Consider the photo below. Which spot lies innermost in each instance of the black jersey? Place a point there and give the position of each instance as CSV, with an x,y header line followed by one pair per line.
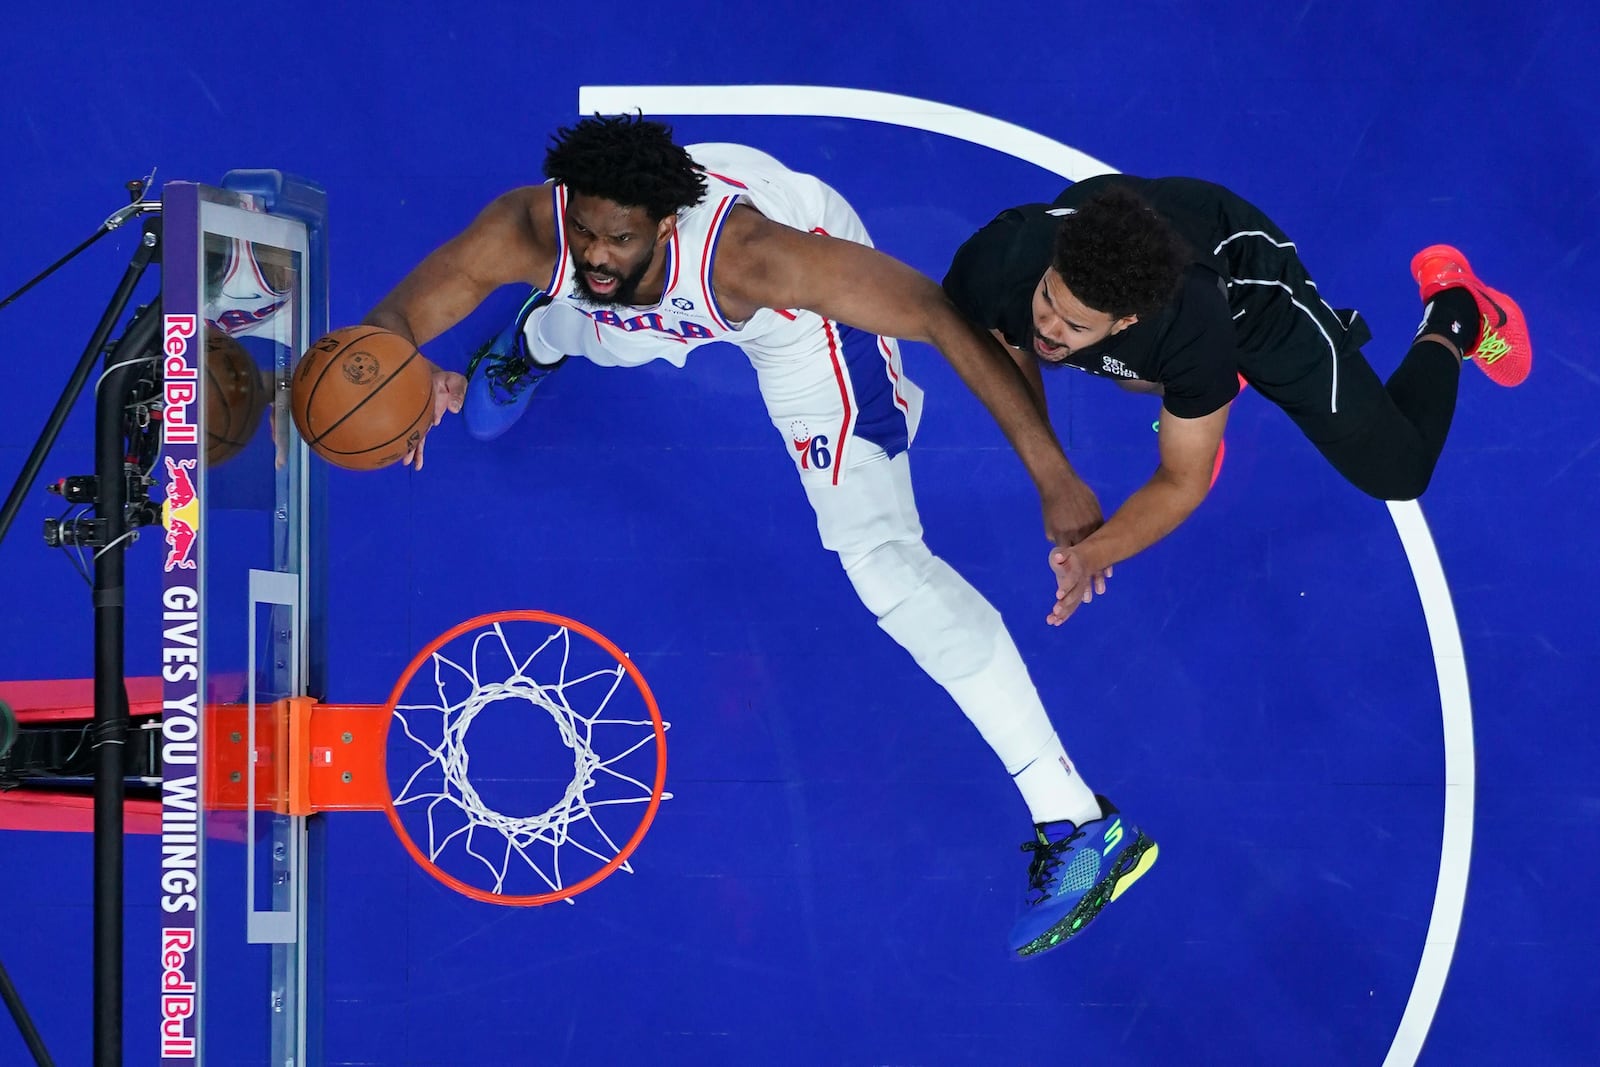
x,y
1243,284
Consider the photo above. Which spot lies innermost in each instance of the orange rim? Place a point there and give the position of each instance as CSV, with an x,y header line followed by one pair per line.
x,y
656,789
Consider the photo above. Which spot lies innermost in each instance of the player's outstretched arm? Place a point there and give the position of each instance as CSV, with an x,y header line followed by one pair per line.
x,y
1028,364
1180,483
500,247
761,263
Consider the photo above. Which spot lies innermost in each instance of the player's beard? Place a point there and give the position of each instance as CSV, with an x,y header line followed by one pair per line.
x,y
627,287
1048,364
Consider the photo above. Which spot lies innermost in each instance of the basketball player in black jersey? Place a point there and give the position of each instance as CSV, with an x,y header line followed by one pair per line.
x,y
1179,287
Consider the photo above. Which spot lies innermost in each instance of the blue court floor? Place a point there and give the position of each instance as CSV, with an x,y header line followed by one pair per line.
x,y
1290,693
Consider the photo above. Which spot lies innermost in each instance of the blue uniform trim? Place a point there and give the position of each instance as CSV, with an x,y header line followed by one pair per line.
x,y
879,418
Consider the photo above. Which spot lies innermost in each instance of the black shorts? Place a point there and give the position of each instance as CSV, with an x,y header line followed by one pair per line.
x,y
1305,356
1294,347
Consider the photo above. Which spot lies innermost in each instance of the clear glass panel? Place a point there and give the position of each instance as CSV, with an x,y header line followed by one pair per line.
x,y
253,303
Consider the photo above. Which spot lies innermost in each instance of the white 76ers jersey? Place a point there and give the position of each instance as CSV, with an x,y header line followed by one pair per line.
x,y
821,380
687,314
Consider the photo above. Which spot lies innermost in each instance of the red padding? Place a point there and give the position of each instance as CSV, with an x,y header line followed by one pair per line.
x,y
33,809
66,699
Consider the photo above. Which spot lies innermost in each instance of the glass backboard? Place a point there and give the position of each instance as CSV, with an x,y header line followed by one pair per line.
x,y
238,306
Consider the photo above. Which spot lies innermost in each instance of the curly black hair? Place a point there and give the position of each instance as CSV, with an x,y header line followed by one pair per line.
x,y
1118,256
628,160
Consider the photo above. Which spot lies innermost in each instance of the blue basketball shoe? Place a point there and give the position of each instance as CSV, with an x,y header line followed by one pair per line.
x,y
1076,871
502,377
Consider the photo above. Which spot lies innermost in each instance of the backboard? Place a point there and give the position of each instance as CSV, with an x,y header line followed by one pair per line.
x,y
240,299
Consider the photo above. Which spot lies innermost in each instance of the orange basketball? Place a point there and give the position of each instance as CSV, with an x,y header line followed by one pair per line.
x,y
362,397
235,397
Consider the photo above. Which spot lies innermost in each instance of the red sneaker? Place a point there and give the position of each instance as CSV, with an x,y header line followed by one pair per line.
x,y
1503,351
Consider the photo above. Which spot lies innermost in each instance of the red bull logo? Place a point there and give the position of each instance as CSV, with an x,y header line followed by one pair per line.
x,y
180,514
178,994
180,381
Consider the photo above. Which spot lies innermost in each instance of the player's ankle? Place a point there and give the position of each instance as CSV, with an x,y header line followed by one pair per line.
x,y
1451,315
1440,339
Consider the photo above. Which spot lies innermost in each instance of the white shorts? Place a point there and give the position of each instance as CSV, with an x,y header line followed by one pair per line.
x,y
838,395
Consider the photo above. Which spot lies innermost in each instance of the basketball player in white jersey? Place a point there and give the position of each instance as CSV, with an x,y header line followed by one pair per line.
x,y
637,249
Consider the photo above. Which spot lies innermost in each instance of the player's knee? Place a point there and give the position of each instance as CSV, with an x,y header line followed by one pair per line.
x,y
1401,481
929,609
946,625
888,574
1408,491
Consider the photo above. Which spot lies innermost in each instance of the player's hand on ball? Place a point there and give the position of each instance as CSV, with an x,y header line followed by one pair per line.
x,y
449,393
1075,583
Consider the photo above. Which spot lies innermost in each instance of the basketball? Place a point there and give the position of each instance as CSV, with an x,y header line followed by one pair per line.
x,y
362,397
235,397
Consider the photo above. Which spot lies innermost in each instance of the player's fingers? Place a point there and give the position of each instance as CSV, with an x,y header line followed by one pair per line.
x,y
1066,568
1072,585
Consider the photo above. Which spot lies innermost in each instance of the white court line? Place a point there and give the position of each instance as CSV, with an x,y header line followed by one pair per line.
x,y
1444,634
1460,783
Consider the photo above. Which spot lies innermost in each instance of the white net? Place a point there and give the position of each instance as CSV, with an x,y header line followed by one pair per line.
x,y
600,717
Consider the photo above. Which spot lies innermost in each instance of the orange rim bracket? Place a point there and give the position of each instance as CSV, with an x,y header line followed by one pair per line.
x,y
309,757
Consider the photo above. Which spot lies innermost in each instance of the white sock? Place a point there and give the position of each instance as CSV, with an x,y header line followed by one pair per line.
x,y
1054,790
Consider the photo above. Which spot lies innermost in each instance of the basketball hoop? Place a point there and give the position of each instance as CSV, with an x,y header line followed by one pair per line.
x,y
411,758
576,691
